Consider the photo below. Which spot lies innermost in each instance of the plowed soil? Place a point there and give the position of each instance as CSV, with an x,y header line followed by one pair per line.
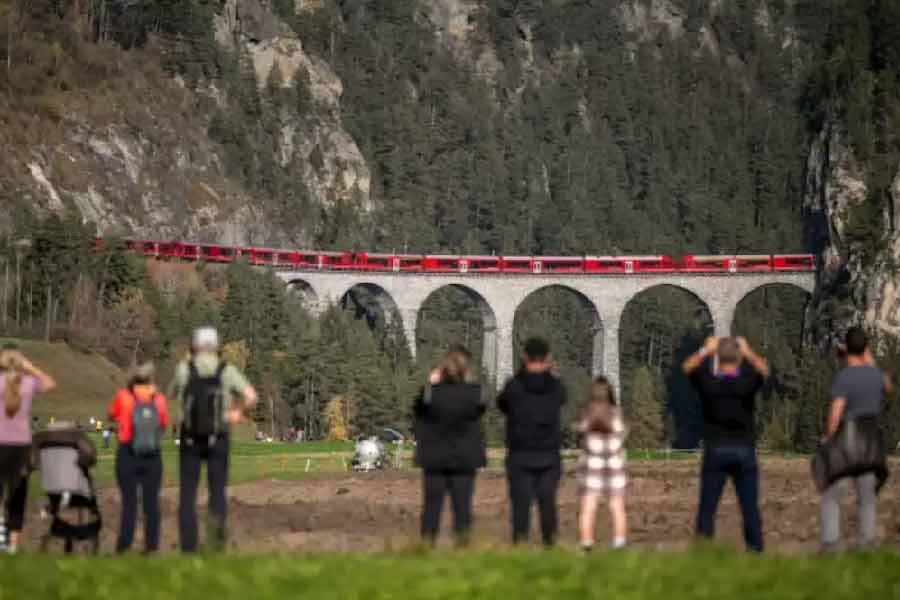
x,y
380,511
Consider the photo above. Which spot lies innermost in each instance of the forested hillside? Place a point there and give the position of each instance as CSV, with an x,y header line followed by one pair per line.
x,y
478,126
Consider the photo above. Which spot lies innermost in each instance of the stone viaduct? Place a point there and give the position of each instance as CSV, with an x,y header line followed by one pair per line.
x,y
498,295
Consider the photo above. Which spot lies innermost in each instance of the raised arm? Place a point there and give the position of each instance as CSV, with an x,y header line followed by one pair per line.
x,y
759,364
45,381
886,380
693,362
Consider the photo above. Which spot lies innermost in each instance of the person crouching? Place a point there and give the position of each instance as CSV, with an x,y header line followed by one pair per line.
x,y
450,446
141,414
601,467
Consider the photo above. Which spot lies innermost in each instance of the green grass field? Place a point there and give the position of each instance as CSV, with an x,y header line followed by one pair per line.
x,y
250,461
703,574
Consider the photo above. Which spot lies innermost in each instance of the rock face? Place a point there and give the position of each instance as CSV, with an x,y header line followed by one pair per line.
x,y
850,290
151,169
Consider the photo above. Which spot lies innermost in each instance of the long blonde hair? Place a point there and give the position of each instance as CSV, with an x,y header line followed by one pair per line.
x,y
12,397
600,410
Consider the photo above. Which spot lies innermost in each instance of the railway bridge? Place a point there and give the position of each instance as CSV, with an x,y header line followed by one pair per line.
x,y
498,296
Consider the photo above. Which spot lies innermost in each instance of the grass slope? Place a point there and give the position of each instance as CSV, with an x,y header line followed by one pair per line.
x,y
626,575
87,381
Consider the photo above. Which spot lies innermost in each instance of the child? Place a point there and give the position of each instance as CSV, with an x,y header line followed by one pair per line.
x,y
601,468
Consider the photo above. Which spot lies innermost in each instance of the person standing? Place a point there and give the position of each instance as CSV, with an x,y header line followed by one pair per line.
x,y
451,448
728,396
532,402
213,395
852,447
20,381
141,415
601,467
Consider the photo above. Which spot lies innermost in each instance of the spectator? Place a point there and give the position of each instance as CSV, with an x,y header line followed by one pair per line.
x,y
532,402
141,414
214,396
852,448
728,396
20,381
601,468
448,422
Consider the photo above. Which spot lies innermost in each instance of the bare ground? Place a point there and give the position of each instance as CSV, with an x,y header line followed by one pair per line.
x,y
380,511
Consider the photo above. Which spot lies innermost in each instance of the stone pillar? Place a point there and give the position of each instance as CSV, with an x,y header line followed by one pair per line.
x,y
410,319
722,314
598,357
489,357
611,355
611,318
505,352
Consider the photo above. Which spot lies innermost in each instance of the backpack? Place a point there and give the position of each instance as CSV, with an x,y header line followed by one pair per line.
x,y
203,403
145,427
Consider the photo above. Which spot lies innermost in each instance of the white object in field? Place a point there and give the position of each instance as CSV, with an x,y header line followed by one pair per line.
x,y
369,455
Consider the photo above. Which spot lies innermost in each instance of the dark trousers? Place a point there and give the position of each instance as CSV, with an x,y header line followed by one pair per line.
x,y
738,463
14,483
193,453
527,484
144,474
460,485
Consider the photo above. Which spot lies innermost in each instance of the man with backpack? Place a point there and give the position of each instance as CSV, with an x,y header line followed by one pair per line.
x,y
213,395
532,402
141,414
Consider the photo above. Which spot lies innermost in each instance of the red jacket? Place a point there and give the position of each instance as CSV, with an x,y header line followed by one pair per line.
x,y
123,405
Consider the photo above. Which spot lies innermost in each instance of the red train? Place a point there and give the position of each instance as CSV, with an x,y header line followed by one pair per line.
x,y
441,263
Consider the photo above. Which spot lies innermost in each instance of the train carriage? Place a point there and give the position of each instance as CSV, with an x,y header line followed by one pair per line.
x,y
217,254
443,263
793,262
516,264
558,264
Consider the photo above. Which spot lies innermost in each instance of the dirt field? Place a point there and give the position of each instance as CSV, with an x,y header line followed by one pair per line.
x,y
376,512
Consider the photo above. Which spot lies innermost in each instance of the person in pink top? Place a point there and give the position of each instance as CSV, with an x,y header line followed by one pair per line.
x,y
20,380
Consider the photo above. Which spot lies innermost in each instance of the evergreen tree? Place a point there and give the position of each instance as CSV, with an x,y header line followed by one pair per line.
x,y
645,412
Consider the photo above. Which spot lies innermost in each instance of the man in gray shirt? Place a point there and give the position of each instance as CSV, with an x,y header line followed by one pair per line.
x,y
857,393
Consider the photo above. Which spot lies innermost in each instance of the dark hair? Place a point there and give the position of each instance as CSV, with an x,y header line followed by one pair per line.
x,y
536,349
728,350
597,415
455,365
856,341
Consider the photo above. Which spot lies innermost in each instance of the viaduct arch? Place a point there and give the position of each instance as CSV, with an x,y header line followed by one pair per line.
x,y
500,295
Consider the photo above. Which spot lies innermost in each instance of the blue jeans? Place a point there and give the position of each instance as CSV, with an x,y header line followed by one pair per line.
x,y
738,462
144,474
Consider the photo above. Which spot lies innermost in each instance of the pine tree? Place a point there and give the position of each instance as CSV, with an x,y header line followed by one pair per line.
x,y
645,411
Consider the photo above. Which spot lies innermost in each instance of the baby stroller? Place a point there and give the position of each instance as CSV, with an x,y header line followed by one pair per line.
x,y
64,456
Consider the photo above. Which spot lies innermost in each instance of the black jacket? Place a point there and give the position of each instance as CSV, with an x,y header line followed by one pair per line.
x,y
855,449
448,427
532,403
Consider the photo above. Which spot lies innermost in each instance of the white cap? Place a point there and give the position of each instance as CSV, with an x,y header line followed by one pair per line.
x,y
205,338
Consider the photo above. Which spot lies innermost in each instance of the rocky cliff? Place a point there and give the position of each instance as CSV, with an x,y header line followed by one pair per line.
x,y
137,156
855,286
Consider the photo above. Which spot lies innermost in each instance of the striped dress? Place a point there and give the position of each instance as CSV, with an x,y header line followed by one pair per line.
x,y
601,467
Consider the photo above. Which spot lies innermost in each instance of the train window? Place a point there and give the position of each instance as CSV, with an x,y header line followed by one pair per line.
x,y
517,264
483,264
